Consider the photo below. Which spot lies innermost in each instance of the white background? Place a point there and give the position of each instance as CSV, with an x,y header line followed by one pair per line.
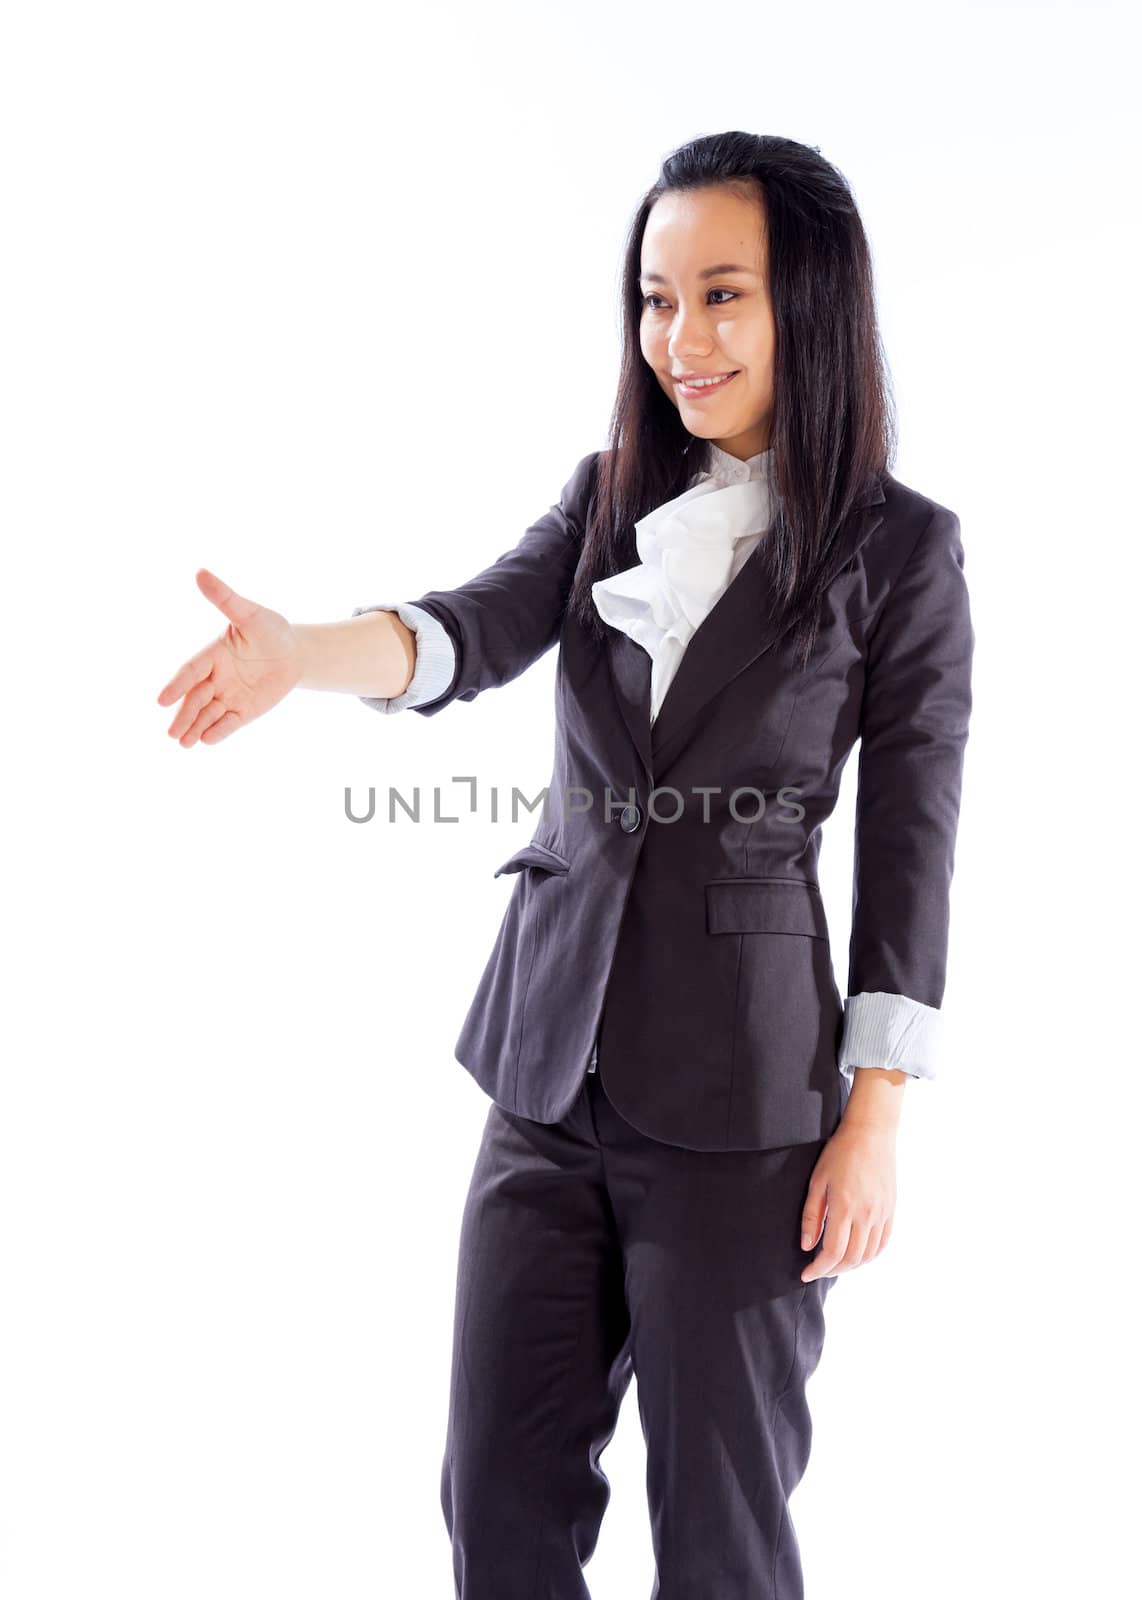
x,y
325,298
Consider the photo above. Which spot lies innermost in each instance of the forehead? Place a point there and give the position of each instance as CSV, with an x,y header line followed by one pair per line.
x,y
687,234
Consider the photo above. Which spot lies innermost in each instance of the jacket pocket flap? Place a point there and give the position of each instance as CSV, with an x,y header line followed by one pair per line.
x,y
534,855
765,905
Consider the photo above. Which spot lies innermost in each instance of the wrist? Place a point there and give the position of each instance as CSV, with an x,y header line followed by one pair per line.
x,y
303,646
876,1098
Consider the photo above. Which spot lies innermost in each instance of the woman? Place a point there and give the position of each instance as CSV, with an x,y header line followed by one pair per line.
x,y
683,1110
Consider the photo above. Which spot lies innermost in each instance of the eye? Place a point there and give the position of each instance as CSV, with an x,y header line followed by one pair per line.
x,y
647,298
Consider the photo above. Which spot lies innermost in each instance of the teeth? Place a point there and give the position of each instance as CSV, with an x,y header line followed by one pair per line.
x,y
705,383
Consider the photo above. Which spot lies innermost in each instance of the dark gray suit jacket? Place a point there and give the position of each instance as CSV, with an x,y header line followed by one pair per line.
x,y
668,902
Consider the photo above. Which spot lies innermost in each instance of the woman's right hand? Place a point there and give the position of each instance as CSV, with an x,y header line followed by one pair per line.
x,y
252,665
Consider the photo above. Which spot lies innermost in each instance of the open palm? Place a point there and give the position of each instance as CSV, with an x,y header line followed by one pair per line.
x,y
239,676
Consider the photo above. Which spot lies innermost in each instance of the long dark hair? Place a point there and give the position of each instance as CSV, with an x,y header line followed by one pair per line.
x,y
834,428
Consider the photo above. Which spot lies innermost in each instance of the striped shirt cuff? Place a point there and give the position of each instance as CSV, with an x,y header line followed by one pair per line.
x,y
435,659
890,1031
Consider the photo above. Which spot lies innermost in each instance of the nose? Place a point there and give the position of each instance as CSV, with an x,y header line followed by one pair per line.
x,y
688,337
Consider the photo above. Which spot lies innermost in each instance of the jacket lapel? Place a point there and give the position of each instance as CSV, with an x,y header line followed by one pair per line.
x,y
732,635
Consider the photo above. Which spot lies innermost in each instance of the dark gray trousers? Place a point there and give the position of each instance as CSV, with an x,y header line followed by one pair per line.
x,y
590,1253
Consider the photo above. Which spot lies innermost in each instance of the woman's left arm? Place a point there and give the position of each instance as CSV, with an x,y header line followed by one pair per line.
x,y
914,727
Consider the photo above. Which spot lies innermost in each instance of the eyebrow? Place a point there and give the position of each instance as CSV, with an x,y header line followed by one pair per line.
x,y
708,272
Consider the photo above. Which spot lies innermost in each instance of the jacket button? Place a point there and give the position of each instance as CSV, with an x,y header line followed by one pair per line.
x,y
629,818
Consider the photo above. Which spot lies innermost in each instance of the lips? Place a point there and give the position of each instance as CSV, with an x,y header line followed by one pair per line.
x,y
690,392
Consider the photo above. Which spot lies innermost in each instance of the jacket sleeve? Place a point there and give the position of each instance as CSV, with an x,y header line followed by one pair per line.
x,y
508,615
914,727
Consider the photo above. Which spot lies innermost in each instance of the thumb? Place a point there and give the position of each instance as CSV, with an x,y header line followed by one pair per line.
x,y
234,606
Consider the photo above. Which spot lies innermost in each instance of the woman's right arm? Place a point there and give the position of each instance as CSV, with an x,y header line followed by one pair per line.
x,y
447,645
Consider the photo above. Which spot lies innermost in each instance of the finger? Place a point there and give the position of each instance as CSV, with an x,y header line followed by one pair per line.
x,y
232,605
857,1251
811,1221
208,734
188,676
810,1228
205,719
198,697
824,1264
872,1247
223,728
813,1215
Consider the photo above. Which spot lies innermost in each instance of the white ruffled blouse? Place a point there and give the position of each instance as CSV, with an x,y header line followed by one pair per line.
x,y
690,550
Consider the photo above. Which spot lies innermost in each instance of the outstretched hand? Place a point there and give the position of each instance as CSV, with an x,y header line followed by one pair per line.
x,y
243,673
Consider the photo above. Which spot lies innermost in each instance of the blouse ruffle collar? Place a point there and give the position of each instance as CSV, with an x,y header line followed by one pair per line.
x,y
690,550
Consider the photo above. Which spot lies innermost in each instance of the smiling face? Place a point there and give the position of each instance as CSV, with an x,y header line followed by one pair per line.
x,y
706,311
